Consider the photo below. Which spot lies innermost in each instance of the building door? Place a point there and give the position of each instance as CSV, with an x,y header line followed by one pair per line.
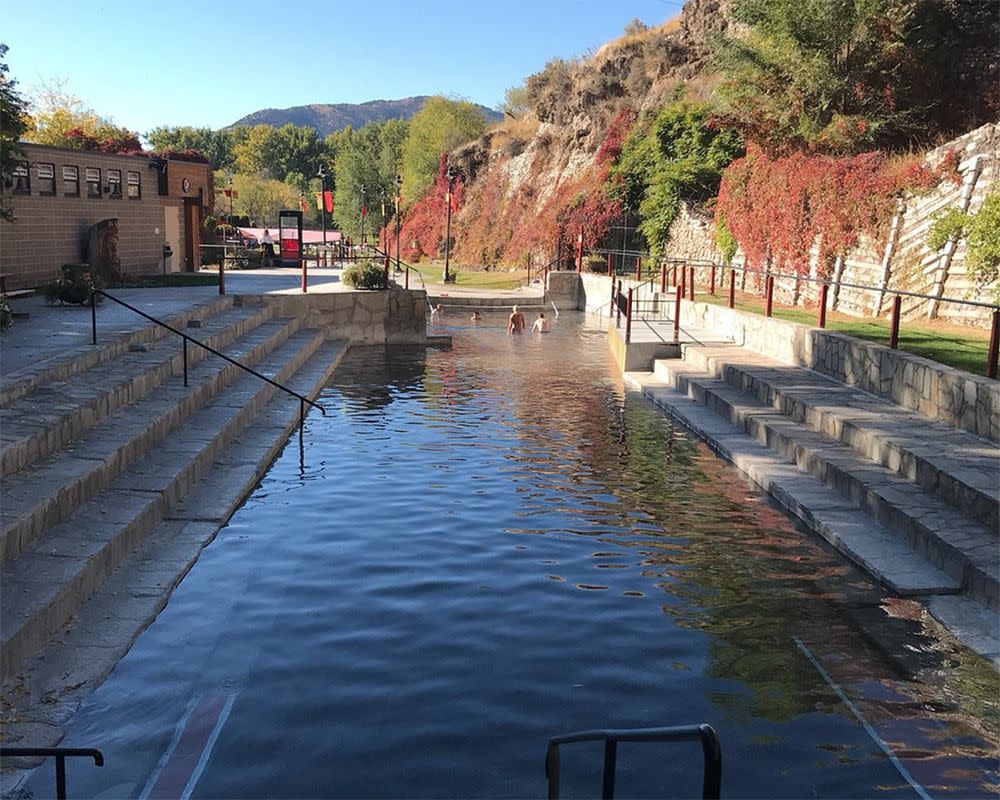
x,y
192,221
172,229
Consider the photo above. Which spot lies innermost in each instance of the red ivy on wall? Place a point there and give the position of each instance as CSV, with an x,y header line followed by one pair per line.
x,y
777,206
423,229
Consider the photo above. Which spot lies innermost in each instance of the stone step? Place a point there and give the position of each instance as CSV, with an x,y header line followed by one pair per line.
x,y
883,554
50,416
41,496
958,467
46,584
965,550
111,345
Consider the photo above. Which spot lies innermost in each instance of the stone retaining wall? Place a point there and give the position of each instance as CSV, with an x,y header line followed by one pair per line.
x,y
396,316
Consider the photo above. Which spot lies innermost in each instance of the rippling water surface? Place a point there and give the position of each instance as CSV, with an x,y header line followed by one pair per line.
x,y
489,545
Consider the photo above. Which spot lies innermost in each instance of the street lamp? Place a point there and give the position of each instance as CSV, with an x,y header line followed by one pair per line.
x,y
450,175
321,174
363,212
399,188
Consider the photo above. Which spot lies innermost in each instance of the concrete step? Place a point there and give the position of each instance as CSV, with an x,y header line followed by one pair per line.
x,y
962,548
956,466
41,496
50,416
45,585
886,556
111,345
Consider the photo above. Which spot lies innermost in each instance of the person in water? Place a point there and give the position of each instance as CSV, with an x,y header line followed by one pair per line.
x,y
476,317
437,311
516,322
541,324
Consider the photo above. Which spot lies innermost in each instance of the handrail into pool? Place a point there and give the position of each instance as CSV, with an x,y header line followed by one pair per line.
x,y
303,400
711,786
60,754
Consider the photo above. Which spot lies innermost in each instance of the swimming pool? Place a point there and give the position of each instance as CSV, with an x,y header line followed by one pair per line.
x,y
489,545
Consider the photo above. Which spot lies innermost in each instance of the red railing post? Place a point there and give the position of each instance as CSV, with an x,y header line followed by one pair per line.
x,y
823,290
991,360
611,307
663,278
618,304
610,268
305,279
897,303
677,313
732,288
406,278
673,276
691,286
638,268
628,317
684,281
579,251
385,270
711,285
222,275
769,289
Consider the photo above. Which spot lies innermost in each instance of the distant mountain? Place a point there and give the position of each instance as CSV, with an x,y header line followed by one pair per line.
x,y
329,117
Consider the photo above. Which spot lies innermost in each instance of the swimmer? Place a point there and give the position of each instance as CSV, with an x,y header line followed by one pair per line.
x,y
541,324
516,322
437,311
476,317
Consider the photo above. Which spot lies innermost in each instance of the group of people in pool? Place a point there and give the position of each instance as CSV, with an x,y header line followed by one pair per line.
x,y
515,323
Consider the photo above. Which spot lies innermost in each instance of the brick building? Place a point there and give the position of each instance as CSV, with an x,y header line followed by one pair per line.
x,y
58,194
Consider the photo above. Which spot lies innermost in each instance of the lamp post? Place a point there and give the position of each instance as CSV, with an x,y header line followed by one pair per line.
x,y
321,174
399,188
450,175
363,212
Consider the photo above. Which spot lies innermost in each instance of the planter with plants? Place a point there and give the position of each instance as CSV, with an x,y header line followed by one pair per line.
x,y
73,287
368,273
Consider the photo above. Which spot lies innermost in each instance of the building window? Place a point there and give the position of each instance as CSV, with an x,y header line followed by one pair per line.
x,y
134,186
93,183
71,181
22,180
46,178
115,184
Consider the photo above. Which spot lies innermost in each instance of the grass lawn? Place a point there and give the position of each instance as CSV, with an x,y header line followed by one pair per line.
x,y
959,347
433,272
170,279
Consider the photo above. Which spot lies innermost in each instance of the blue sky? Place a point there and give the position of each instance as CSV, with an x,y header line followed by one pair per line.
x,y
210,63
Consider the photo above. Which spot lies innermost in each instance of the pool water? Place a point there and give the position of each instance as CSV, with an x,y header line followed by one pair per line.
x,y
489,545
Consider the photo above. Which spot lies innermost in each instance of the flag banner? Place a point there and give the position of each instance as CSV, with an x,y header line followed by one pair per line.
x,y
227,192
328,201
319,201
364,211
303,204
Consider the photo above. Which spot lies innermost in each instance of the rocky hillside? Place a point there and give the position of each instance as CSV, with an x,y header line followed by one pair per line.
x,y
329,117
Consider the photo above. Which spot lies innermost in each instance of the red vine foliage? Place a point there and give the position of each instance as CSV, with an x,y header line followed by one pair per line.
x,y
123,142
777,206
614,137
423,229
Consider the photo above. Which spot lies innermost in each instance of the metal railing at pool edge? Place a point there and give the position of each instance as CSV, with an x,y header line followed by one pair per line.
x,y
407,269
685,289
711,786
303,400
60,754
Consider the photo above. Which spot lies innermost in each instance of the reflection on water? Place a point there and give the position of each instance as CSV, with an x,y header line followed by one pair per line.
x,y
488,546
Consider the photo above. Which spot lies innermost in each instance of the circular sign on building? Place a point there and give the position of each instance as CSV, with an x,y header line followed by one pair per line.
x,y
185,186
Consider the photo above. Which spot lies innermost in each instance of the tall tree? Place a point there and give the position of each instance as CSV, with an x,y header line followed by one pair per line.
x,y
275,152
61,119
439,126
217,146
12,126
838,76
368,157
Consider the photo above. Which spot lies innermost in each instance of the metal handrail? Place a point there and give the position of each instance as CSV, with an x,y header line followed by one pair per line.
x,y
303,400
828,282
61,754
711,786
403,264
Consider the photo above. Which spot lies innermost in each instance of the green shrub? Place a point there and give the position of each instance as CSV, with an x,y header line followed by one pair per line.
x,y
947,224
365,274
982,240
74,286
595,264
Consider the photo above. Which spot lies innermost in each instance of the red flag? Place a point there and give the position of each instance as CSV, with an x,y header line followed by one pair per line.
x,y
328,201
364,211
303,204
227,192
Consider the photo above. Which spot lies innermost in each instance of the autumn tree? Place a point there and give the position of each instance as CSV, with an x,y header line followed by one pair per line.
x,y
12,126
368,157
270,152
217,146
58,118
438,127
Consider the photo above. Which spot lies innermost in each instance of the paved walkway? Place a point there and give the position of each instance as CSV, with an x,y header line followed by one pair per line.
x,y
51,330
